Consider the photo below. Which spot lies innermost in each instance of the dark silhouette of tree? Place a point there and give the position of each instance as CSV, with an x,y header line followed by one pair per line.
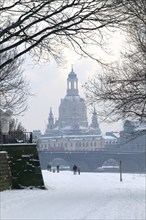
x,y
16,126
121,91
16,131
46,27
13,86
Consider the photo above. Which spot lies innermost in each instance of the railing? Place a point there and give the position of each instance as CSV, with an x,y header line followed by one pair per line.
x,y
16,137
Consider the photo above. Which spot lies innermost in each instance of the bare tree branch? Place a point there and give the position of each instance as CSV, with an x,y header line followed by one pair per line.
x,y
13,87
121,91
26,25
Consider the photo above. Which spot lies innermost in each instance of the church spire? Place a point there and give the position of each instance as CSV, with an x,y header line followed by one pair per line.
x,y
50,120
72,83
94,123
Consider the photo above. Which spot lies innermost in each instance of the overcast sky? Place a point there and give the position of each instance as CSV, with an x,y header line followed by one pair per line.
x,y
48,83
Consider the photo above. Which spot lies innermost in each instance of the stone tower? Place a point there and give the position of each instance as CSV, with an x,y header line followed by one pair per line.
x,y
50,120
94,124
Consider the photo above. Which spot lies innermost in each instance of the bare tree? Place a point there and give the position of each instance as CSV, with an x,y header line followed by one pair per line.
x,y
16,131
121,91
14,88
16,126
45,27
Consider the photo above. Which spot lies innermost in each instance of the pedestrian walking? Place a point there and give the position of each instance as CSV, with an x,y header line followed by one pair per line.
x,y
75,169
57,168
79,170
49,167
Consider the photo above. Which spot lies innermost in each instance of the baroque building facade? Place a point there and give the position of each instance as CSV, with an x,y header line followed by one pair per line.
x,y
72,113
71,130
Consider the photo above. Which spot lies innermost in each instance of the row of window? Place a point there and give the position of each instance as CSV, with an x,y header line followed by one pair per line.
x,y
77,144
111,142
45,147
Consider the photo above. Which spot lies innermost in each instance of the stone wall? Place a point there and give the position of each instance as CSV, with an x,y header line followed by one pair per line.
x,y
24,164
5,173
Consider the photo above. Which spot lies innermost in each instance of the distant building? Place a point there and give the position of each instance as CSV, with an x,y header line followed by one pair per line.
x,y
131,139
71,130
111,140
133,136
72,113
36,133
71,143
113,134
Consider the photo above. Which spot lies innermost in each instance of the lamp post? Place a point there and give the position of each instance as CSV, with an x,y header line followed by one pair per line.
x,y
120,171
5,117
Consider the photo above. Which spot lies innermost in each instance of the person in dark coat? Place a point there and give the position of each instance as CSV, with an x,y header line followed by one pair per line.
x,y
57,168
75,169
49,167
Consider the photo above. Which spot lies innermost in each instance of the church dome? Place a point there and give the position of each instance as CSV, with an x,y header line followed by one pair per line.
x,y
72,74
73,112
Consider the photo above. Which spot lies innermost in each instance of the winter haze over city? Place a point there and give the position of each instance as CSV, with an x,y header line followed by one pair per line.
x,y
73,110
48,83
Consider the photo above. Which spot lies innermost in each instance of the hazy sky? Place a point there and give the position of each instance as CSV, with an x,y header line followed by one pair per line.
x,y
48,83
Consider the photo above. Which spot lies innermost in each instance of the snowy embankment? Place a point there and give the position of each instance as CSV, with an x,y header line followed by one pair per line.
x,y
89,196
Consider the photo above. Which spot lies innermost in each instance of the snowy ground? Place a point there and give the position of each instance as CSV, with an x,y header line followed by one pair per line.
x,y
89,196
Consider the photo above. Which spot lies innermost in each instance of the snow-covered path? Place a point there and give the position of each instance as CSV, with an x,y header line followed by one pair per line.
x,y
86,196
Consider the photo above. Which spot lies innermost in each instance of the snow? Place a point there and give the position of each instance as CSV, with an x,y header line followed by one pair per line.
x,y
3,152
88,196
107,137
